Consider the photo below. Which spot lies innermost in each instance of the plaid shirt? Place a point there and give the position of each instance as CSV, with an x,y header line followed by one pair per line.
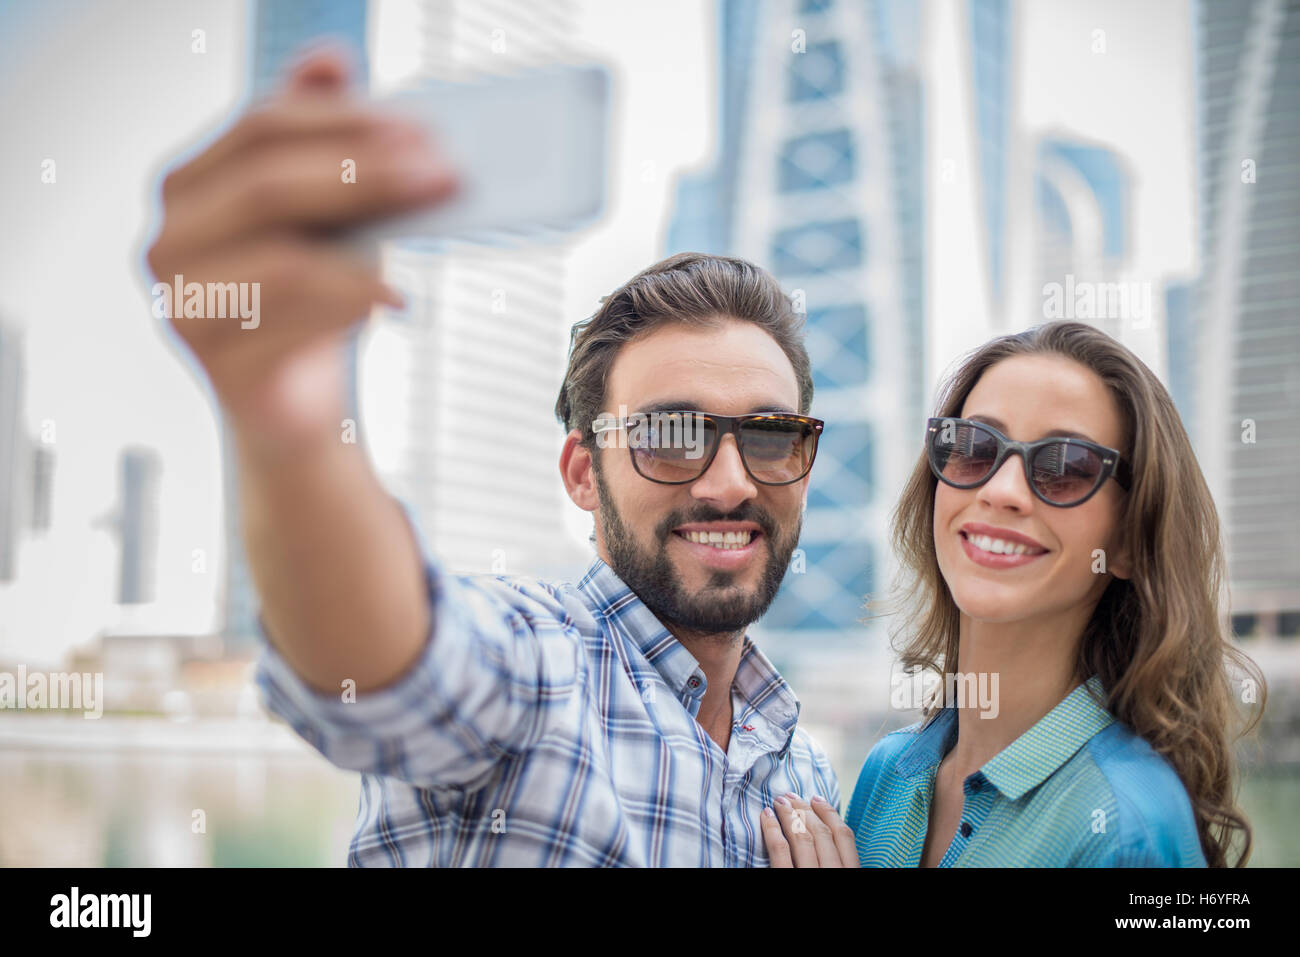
x,y
554,725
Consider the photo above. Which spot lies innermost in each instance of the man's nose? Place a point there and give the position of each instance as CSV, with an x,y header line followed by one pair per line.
x,y
725,482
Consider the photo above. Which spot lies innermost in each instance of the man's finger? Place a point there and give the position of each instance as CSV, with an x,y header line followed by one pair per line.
x,y
295,187
284,121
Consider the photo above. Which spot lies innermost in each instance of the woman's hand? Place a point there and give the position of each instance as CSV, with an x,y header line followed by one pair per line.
x,y
800,834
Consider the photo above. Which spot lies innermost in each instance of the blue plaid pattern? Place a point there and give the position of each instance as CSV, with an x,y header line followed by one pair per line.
x,y
1078,789
554,725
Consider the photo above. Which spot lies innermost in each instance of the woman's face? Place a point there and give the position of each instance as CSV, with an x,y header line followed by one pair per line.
x,y
1028,398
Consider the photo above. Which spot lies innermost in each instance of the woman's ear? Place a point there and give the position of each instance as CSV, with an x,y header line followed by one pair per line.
x,y
1118,564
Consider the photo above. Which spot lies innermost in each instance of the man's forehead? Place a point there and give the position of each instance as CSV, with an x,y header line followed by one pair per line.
x,y
687,373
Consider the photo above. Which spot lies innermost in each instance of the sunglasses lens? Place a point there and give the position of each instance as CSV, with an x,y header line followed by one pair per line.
x,y
778,451
672,446
962,454
1064,472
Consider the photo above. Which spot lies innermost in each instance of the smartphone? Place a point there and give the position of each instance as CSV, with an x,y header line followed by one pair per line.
x,y
530,149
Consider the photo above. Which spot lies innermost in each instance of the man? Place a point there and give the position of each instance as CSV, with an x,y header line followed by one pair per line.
x,y
623,720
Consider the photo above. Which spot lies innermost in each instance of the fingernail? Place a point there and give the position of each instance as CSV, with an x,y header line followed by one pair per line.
x,y
817,799
783,801
768,812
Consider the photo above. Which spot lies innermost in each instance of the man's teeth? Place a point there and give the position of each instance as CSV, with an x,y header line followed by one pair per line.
x,y
997,546
727,540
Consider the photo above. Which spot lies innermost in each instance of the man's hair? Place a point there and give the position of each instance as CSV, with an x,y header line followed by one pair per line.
x,y
692,288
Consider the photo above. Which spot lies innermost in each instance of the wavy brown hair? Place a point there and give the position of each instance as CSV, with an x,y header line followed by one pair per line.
x,y
1160,640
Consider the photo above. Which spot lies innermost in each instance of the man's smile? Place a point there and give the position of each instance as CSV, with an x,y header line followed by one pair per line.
x,y
722,545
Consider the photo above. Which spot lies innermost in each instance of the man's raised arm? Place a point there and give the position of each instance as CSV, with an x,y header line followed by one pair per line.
x,y
333,557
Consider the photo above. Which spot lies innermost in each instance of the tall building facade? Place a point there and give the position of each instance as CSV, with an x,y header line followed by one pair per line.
x,y
14,450
458,393
817,178
137,525
1248,299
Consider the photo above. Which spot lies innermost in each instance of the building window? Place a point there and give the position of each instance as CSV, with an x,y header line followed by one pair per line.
x,y
817,73
837,344
818,247
847,567
1288,622
841,476
816,160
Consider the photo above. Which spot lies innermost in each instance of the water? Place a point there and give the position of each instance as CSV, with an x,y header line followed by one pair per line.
x,y
265,799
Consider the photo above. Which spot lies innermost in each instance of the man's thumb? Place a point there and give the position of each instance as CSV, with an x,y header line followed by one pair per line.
x,y
325,68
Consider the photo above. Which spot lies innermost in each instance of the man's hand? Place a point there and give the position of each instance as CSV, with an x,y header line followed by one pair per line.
x,y
257,207
800,834
336,567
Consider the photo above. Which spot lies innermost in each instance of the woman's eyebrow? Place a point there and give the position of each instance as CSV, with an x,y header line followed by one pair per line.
x,y
1064,433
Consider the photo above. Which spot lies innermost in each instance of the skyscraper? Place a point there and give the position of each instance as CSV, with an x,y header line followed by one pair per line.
x,y
1248,335
458,395
14,450
821,139
137,525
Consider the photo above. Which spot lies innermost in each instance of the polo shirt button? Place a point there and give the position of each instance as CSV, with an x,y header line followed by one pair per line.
x,y
966,828
976,785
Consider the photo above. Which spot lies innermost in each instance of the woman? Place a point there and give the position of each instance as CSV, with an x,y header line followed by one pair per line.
x,y
1068,592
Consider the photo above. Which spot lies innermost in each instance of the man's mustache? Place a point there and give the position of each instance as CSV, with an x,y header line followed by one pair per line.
x,y
747,514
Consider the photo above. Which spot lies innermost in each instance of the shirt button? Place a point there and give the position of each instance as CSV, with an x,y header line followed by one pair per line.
x,y
693,683
976,785
966,829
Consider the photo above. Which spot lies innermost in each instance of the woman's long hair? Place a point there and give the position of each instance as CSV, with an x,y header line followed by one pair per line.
x,y
1158,641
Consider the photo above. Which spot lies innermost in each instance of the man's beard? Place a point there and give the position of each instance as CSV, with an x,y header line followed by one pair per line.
x,y
653,578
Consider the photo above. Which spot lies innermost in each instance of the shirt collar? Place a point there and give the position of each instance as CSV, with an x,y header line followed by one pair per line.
x,y
1033,757
771,709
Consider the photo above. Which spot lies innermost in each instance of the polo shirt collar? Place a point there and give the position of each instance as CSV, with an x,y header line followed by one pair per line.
x,y
1029,760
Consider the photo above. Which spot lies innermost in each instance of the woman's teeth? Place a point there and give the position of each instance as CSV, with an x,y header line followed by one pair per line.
x,y
727,540
998,547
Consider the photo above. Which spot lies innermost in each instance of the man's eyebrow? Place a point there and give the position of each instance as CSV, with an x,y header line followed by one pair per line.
x,y
685,405
1063,433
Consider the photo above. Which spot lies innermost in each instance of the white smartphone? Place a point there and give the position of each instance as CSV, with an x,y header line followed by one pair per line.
x,y
530,150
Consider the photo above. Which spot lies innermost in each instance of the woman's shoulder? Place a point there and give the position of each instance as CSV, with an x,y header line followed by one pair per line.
x,y
1155,826
885,751
880,764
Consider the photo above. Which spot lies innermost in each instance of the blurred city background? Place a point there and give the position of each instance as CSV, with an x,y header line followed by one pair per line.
x,y
917,174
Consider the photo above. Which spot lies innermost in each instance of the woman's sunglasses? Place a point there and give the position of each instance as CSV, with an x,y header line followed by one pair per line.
x,y
1061,472
673,448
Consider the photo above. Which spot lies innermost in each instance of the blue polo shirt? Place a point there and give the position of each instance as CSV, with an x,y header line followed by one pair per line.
x,y
1078,789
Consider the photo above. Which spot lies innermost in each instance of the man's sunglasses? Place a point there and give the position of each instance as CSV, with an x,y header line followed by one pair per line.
x,y
677,447
1061,472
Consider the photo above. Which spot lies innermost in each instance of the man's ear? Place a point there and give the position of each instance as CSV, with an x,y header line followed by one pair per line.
x,y
578,472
